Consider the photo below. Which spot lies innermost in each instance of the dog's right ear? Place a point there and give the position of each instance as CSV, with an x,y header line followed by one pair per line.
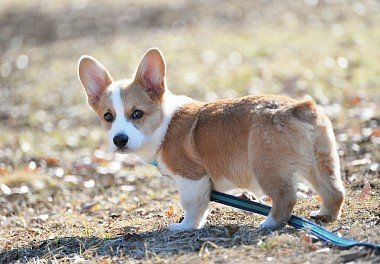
x,y
94,78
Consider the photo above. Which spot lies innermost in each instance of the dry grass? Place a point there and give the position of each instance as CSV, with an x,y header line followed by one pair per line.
x,y
63,199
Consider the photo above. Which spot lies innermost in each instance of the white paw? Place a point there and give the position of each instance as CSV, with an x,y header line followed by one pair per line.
x,y
181,227
269,223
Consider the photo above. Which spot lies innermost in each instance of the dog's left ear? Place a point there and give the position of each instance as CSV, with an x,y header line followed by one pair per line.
x,y
151,73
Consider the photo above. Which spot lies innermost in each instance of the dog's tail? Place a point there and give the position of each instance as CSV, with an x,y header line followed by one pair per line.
x,y
305,111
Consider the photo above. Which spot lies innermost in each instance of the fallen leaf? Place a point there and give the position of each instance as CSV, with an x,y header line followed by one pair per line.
x,y
3,171
366,192
106,260
92,207
318,198
52,162
170,211
123,197
376,132
232,229
355,100
308,241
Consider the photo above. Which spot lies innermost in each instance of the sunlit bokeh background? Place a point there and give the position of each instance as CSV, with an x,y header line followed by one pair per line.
x,y
328,50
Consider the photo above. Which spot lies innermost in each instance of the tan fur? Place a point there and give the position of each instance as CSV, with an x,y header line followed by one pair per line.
x,y
134,98
105,105
271,138
219,131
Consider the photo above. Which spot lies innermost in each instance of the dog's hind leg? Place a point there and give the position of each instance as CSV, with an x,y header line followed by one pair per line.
x,y
283,200
326,177
274,167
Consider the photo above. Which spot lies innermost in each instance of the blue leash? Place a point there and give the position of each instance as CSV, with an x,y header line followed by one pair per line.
x,y
295,221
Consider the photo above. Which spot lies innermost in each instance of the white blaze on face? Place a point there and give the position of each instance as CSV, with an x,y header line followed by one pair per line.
x,y
121,125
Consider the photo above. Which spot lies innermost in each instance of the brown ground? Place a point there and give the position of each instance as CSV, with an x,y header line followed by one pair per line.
x,y
63,199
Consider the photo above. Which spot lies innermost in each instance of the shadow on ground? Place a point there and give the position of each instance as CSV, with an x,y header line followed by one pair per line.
x,y
138,245
164,243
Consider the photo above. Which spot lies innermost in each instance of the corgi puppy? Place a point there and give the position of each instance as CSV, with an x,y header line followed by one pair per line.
x,y
258,143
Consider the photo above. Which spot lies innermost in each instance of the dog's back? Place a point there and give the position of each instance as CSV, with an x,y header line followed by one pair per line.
x,y
266,140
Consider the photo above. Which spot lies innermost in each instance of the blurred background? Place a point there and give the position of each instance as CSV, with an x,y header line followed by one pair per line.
x,y
328,50
51,145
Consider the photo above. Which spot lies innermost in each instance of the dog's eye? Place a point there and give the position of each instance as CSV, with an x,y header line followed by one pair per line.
x,y
108,117
137,114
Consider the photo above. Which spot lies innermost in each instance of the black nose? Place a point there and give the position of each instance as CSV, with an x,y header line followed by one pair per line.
x,y
120,140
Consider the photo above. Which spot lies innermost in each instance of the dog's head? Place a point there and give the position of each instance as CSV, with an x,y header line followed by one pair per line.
x,y
129,110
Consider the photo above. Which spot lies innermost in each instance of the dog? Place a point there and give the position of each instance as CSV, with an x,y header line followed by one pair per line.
x,y
264,143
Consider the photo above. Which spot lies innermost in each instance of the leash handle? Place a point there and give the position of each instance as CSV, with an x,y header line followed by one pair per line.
x,y
295,221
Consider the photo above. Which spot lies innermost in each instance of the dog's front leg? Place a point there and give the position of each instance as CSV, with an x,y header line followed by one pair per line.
x,y
195,198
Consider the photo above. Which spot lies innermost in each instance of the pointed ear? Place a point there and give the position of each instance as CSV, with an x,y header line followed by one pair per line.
x,y
94,78
151,73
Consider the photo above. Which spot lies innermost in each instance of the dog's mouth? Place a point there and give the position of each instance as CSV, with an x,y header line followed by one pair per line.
x,y
122,150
